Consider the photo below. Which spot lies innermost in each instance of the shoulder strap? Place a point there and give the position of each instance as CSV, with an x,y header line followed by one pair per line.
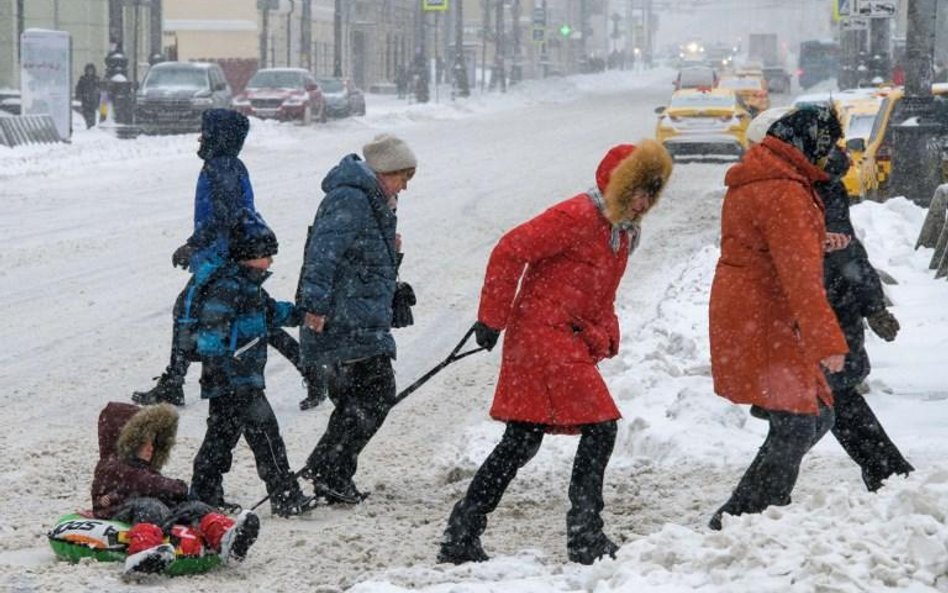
x,y
378,222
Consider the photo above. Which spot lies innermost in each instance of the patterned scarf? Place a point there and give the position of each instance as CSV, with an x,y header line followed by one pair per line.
x,y
632,228
813,130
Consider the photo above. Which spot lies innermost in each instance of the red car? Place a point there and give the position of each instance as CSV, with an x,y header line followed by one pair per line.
x,y
283,93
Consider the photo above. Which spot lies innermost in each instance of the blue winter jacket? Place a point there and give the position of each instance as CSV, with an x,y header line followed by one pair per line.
x,y
223,192
234,315
349,269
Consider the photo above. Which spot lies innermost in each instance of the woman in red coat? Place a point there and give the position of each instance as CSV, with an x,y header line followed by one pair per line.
x,y
560,323
771,327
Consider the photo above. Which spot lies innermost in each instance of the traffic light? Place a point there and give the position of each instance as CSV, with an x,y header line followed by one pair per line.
x,y
566,30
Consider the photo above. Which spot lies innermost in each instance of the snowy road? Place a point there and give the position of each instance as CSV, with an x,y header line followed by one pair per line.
x,y
87,288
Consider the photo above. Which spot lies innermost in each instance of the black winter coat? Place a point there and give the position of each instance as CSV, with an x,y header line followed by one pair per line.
x,y
852,285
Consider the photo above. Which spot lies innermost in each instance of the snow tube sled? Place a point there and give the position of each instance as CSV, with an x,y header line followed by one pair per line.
x,y
76,537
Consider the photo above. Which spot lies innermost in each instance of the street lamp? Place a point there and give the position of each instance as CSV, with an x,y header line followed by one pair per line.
x,y
460,69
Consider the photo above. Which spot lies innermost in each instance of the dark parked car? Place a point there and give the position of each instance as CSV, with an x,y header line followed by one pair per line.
x,y
283,94
342,97
173,96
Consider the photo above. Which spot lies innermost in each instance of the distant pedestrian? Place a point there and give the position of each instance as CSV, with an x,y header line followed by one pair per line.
x,y
551,283
855,293
401,81
771,327
87,93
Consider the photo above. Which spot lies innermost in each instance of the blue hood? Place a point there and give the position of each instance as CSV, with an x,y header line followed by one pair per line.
x,y
224,132
351,172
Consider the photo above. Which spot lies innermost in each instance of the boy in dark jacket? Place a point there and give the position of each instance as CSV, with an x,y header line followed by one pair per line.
x,y
233,320
134,444
855,293
223,200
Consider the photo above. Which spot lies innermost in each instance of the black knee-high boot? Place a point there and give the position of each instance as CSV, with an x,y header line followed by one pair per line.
x,y
461,542
585,540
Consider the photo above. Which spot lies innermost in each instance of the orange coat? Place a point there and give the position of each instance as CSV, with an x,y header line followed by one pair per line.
x,y
770,322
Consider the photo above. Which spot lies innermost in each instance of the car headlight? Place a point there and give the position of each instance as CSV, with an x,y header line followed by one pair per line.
x,y
201,102
294,101
241,102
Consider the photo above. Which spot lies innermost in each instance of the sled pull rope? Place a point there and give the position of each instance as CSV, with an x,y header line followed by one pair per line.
x,y
455,356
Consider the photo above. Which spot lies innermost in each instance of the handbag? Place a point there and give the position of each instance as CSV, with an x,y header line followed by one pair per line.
x,y
402,303
404,298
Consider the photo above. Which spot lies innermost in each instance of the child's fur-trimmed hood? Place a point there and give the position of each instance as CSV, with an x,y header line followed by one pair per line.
x,y
157,423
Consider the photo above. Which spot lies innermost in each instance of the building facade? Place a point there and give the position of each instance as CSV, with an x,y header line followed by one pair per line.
x,y
87,21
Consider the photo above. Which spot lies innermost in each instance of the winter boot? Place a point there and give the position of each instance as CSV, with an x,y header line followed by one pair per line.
x,y
231,538
462,539
588,549
169,389
316,392
334,491
291,503
147,552
187,541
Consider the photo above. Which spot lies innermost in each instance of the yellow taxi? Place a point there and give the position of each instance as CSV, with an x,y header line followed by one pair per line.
x,y
857,116
751,88
700,122
874,166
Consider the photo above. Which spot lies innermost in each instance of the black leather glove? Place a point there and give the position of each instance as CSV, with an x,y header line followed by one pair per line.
x,y
884,324
485,336
181,258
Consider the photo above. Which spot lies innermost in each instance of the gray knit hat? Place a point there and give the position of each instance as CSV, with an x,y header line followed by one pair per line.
x,y
387,153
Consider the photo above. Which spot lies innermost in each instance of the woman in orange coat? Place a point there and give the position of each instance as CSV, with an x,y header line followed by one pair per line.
x,y
771,327
560,323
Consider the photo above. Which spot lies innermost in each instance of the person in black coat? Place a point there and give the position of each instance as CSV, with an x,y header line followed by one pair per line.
x,y
87,93
855,293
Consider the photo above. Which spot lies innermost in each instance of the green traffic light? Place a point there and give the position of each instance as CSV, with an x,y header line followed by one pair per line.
x,y
565,30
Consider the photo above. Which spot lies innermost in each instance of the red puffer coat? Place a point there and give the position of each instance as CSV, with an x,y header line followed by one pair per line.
x,y
562,321
770,322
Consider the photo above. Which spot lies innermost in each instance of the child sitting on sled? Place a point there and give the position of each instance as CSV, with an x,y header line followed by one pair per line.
x,y
134,443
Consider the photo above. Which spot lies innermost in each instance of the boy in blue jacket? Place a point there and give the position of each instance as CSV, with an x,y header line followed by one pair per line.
x,y
223,200
232,321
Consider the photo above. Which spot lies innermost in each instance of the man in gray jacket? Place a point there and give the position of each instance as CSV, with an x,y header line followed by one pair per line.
x,y
346,288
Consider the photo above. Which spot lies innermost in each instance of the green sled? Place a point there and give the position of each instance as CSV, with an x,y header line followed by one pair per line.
x,y
75,538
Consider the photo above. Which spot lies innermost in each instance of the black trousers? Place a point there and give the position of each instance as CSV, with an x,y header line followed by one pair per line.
x,y
248,414
862,437
182,344
89,113
772,475
363,393
152,510
520,443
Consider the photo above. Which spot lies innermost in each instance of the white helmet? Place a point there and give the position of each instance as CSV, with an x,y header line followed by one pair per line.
x,y
758,127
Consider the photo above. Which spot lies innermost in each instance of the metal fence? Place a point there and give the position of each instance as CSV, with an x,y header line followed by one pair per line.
x,y
28,129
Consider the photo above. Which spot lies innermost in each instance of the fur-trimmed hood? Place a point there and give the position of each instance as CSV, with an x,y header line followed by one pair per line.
x,y
124,428
626,168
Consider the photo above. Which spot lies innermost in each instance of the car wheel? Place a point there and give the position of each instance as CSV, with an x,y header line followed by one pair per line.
x,y
307,118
